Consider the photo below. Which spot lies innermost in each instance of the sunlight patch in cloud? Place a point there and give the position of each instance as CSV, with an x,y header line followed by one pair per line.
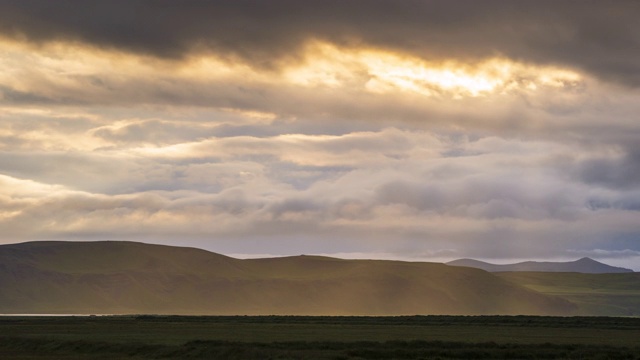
x,y
257,116
72,72
382,72
19,188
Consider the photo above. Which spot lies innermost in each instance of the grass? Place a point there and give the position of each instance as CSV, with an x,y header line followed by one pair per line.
x,y
284,337
601,294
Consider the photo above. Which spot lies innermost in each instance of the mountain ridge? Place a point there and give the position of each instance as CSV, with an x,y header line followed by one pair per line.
x,y
116,277
584,265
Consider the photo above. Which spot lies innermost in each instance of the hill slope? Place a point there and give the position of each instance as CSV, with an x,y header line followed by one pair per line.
x,y
595,294
584,265
125,277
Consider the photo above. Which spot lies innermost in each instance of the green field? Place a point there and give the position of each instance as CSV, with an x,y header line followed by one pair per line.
x,y
601,294
287,337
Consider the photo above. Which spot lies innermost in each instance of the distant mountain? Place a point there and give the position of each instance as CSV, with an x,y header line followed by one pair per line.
x,y
584,265
126,278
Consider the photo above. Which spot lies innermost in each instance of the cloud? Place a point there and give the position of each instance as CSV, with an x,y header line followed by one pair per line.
x,y
617,171
492,129
397,191
235,99
601,253
600,38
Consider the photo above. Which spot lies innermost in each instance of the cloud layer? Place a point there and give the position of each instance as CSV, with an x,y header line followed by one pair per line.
x,y
421,130
598,37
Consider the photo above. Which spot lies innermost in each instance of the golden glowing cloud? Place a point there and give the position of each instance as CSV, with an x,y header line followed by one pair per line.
x,y
47,136
67,67
24,189
383,72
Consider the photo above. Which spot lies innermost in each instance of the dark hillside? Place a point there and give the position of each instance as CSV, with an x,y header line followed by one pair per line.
x,y
125,277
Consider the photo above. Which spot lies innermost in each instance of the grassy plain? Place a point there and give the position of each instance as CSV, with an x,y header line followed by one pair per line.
x,y
287,337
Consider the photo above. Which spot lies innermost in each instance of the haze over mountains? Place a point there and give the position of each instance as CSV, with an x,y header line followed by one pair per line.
x,y
125,278
584,265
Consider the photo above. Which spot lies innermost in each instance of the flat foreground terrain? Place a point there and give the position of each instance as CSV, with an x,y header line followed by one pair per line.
x,y
285,337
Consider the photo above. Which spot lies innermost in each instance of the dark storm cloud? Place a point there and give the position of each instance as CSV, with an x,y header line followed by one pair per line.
x,y
617,173
629,201
601,37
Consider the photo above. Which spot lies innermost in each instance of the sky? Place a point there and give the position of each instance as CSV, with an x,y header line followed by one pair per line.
x,y
415,130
